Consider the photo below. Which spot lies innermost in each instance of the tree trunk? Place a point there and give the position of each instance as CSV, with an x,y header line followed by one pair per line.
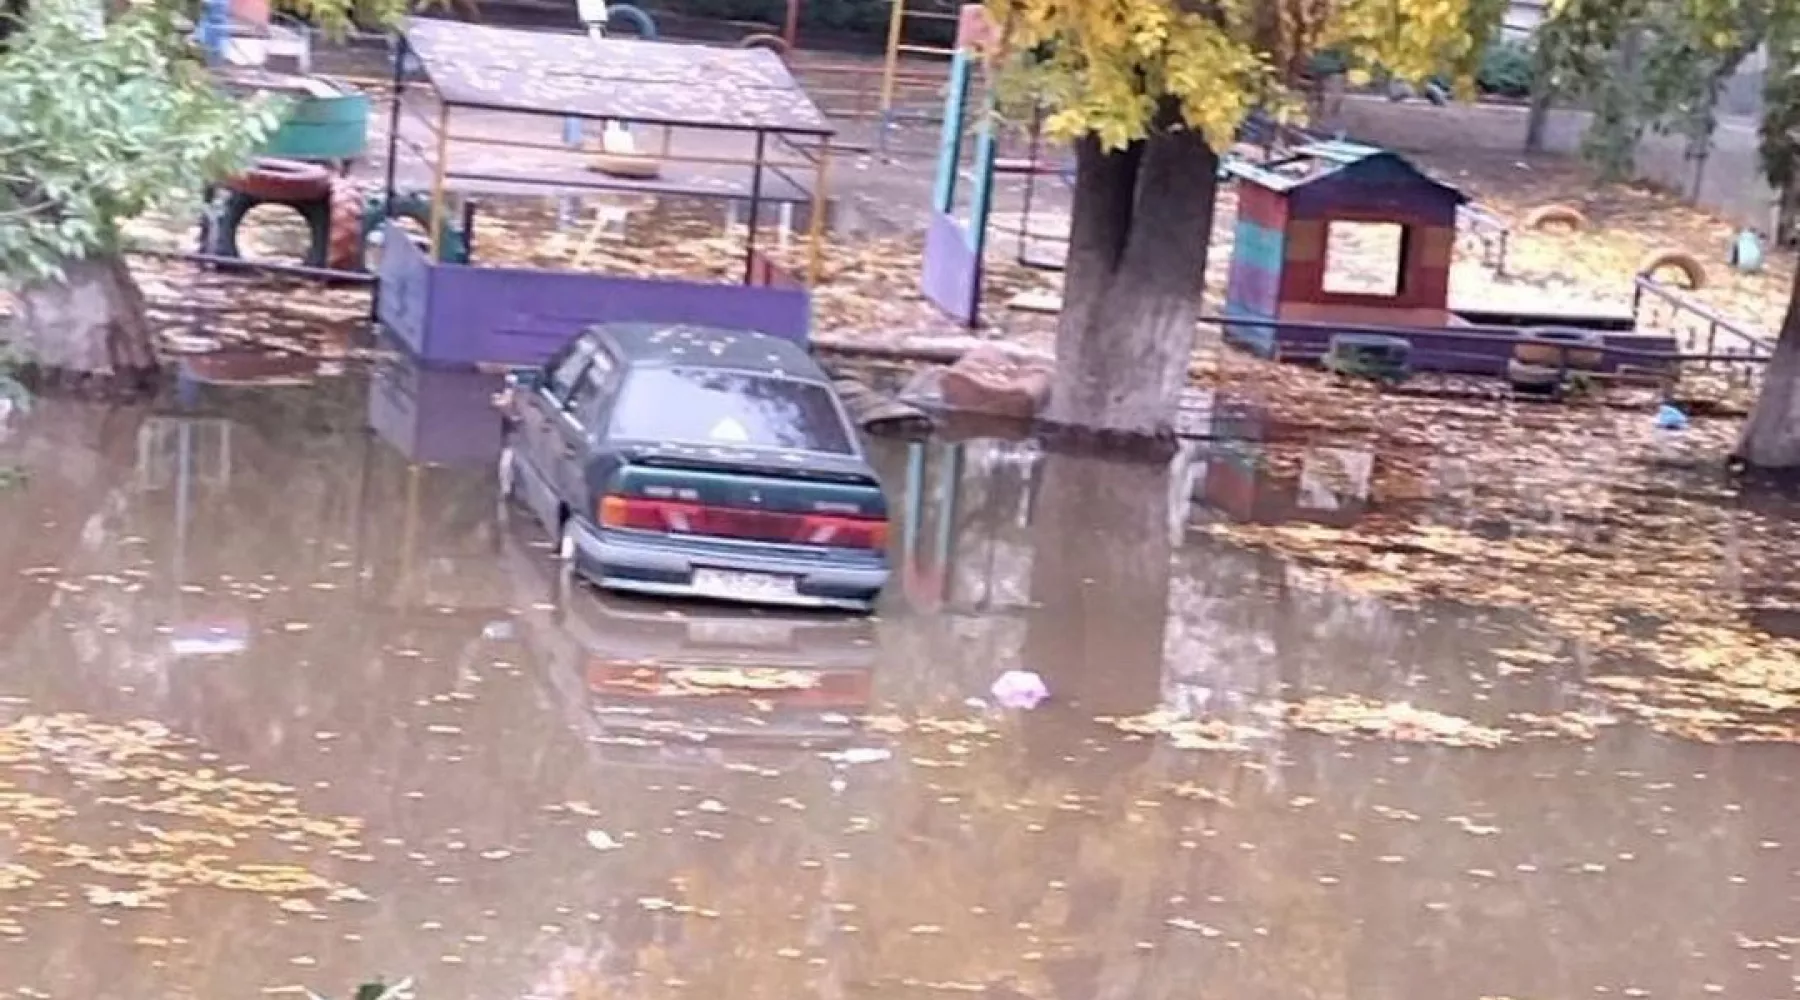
x,y
1543,92
89,330
1142,221
1771,437
1787,215
1537,120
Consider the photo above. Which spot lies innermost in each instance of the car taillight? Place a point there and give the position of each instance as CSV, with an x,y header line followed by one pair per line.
x,y
677,517
846,532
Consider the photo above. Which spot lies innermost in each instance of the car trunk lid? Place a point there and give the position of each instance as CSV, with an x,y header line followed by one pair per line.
x,y
753,494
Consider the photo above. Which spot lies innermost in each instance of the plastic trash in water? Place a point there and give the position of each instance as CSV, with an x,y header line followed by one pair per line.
x,y
1670,418
861,755
1019,689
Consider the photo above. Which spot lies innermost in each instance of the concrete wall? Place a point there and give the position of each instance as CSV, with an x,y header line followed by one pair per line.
x,y
1731,185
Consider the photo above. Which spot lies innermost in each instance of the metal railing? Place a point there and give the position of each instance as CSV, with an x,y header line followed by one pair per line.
x,y
1663,367
1718,342
1490,233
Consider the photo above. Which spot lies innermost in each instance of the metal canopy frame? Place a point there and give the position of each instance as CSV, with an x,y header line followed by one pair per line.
x,y
808,143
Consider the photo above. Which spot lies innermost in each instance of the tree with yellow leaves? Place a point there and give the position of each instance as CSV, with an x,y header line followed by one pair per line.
x,y
1151,93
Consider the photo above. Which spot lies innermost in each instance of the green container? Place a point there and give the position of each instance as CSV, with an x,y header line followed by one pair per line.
x,y
323,129
1371,356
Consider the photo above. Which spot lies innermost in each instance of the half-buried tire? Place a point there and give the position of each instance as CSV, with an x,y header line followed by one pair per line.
x,y
1564,217
345,252
1690,267
272,179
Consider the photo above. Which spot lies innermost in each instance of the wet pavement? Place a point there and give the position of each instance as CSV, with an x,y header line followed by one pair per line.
x,y
281,708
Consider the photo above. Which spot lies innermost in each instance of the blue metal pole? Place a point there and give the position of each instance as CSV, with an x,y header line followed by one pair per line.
x,y
215,28
943,195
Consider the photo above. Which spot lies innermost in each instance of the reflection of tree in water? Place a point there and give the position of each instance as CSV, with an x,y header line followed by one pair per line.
x,y
955,646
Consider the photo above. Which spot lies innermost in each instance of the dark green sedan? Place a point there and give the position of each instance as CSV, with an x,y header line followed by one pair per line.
x,y
697,462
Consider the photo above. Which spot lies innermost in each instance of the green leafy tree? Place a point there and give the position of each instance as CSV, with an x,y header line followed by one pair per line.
x,y
97,126
1151,92
1771,437
100,123
1644,65
1780,127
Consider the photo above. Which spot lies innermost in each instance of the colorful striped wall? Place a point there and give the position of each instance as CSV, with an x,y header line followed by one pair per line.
x,y
1253,285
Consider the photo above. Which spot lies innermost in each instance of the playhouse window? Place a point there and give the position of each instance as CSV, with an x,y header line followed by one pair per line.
x,y
1364,258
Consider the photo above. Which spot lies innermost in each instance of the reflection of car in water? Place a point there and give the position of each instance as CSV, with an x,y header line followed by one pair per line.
x,y
705,683
693,462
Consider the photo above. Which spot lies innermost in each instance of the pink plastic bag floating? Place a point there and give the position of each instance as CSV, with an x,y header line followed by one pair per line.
x,y
1019,689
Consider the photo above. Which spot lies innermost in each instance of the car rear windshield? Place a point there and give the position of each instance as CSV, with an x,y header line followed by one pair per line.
x,y
704,406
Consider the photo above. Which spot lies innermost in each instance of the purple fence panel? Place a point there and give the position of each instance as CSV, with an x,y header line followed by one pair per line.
x,y
403,295
766,273
520,317
952,278
444,417
1446,352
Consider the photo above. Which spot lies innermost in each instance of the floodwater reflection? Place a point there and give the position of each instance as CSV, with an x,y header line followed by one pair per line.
x,y
516,791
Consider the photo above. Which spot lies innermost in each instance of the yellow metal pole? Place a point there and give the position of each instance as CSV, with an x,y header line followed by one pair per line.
x,y
815,231
892,63
438,170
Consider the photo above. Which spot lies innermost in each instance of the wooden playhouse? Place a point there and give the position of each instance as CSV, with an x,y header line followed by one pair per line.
x,y
1337,203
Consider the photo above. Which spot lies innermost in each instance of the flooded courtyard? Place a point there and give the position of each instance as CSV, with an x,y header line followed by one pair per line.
x,y
288,704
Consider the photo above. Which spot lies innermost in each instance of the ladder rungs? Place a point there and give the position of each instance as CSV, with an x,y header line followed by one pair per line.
x,y
925,50
930,15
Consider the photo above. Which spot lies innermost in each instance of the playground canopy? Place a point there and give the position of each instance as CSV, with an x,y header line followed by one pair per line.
x,y
656,83
666,86
735,109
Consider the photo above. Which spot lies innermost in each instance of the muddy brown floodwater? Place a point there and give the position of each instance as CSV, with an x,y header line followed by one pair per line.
x,y
280,709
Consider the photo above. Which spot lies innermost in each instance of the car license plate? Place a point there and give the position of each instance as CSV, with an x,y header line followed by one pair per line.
x,y
733,586
740,632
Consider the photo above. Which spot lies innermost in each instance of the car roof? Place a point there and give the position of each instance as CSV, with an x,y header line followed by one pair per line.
x,y
666,345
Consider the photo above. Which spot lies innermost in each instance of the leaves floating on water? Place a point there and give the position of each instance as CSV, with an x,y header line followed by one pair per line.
x,y
1398,721
197,827
1189,733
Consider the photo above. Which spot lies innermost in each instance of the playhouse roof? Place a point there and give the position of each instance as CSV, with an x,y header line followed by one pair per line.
x,y
1338,161
660,83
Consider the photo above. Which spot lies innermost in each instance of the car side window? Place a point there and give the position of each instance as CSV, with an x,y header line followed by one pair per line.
x,y
604,365
589,399
565,369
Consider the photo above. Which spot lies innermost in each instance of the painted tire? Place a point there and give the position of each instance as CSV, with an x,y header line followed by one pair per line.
x,y
763,40
1565,216
345,247
272,179
646,25
630,167
238,204
1689,266
452,249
